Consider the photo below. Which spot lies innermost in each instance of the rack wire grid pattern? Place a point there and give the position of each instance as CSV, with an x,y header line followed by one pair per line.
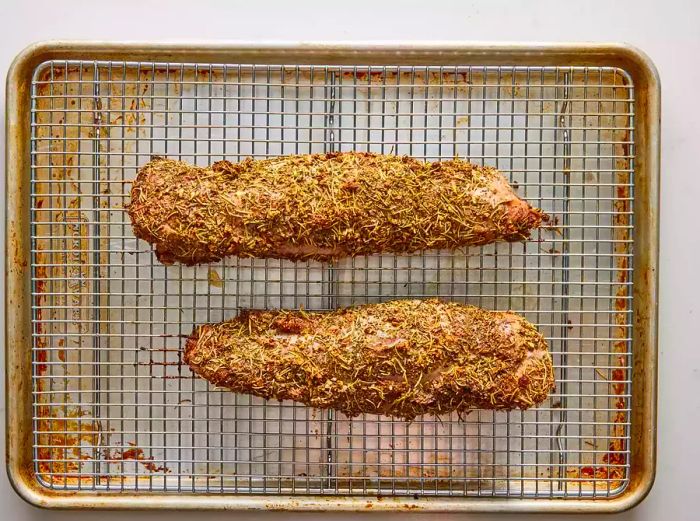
x,y
115,408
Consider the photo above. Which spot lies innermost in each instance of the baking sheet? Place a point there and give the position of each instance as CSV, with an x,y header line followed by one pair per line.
x,y
114,408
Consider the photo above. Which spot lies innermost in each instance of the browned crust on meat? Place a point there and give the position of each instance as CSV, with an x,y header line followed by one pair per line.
x,y
322,207
401,358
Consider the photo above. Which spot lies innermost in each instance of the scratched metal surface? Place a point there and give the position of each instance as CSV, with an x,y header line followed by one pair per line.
x,y
114,408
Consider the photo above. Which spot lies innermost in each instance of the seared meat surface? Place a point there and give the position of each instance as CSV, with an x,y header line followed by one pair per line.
x,y
401,358
322,207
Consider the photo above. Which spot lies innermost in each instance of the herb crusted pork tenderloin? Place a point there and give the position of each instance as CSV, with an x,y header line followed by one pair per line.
x,y
401,358
322,207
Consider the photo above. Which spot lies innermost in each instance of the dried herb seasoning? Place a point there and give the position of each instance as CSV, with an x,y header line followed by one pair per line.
x,y
401,358
322,207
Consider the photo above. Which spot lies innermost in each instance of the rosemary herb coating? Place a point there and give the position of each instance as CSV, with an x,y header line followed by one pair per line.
x,y
322,207
401,358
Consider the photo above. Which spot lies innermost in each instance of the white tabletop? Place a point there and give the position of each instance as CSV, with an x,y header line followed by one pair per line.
x,y
666,30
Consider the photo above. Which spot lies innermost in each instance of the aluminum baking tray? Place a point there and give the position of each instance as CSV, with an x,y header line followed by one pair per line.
x,y
103,412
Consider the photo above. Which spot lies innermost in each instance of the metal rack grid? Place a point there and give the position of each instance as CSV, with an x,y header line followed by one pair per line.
x,y
114,408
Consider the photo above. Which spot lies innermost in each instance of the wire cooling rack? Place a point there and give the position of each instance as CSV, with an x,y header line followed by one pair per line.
x,y
115,409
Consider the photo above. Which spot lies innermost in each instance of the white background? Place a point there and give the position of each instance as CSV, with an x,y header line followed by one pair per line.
x,y
667,30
